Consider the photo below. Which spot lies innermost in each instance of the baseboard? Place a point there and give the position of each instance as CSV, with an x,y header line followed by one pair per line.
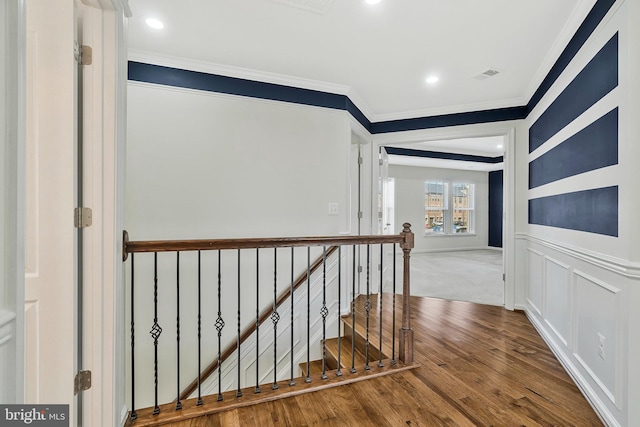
x,y
124,414
585,388
465,249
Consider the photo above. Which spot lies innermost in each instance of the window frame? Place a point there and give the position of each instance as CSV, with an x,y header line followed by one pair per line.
x,y
448,208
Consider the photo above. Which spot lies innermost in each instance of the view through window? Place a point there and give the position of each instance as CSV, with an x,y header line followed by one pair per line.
x,y
449,208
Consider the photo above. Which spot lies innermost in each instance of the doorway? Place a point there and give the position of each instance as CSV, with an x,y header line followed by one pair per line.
x,y
451,158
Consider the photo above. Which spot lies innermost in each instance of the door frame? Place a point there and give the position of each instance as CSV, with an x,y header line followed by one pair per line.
x,y
507,130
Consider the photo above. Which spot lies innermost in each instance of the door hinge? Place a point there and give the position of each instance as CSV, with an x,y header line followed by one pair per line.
x,y
359,269
504,277
379,215
83,54
360,160
380,162
360,215
82,382
82,217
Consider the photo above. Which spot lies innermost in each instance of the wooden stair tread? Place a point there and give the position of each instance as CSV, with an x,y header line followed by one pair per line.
x,y
345,357
315,367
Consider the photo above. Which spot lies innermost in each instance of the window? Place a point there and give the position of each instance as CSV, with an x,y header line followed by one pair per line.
x,y
449,208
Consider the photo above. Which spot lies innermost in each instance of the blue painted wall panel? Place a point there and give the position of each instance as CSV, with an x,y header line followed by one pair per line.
x,y
594,147
598,78
440,155
495,208
593,211
234,86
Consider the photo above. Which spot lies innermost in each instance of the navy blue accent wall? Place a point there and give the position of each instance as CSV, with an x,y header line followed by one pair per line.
x,y
598,78
438,155
593,211
587,27
487,116
594,147
234,86
495,208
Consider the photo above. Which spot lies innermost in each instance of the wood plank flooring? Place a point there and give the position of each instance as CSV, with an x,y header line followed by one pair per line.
x,y
480,365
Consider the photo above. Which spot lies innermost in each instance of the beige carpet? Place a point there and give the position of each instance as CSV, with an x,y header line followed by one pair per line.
x,y
474,276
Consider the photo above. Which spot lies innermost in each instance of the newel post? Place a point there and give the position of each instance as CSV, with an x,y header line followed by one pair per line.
x,y
406,333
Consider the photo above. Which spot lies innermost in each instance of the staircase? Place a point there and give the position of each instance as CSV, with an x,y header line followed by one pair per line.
x,y
339,349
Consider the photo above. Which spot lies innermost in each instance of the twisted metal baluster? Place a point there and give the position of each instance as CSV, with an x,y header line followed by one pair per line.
x,y
367,307
238,392
156,330
219,326
324,312
380,365
339,371
257,389
275,318
393,326
178,402
291,381
308,378
133,415
199,401
353,314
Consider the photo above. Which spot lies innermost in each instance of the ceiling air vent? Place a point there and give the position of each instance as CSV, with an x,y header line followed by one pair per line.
x,y
486,74
316,6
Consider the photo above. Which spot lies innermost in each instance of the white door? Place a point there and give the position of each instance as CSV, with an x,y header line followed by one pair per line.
x,y
386,217
50,182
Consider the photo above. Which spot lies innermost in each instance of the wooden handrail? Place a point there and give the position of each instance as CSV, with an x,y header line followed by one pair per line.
x,y
228,351
253,243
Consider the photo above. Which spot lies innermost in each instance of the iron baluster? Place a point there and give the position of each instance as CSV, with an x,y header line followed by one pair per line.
x,y
239,391
275,318
257,389
178,402
199,402
353,313
393,320
219,326
324,312
380,365
291,381
308,378
339,371
156,330
133,414
367,309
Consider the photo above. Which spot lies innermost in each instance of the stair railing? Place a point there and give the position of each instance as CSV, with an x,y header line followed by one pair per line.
x,y
405,240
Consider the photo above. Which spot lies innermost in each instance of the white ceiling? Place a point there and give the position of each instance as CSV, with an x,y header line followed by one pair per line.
x,y
378,55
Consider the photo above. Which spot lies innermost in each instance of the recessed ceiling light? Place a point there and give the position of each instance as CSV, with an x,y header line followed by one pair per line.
x,y
154,23
500,146
432,79
372,1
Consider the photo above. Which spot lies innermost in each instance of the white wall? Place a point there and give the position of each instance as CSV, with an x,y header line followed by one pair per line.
x,y
581,288
204,165
409,206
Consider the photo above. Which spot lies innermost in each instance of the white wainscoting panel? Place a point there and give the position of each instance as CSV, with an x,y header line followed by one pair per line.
x,y
535,275
597,331
557,308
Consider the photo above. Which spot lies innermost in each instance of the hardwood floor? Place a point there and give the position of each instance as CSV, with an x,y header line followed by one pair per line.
x,y
480,365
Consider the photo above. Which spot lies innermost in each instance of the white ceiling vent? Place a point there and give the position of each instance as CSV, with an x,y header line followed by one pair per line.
x,y
491,72
316,6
